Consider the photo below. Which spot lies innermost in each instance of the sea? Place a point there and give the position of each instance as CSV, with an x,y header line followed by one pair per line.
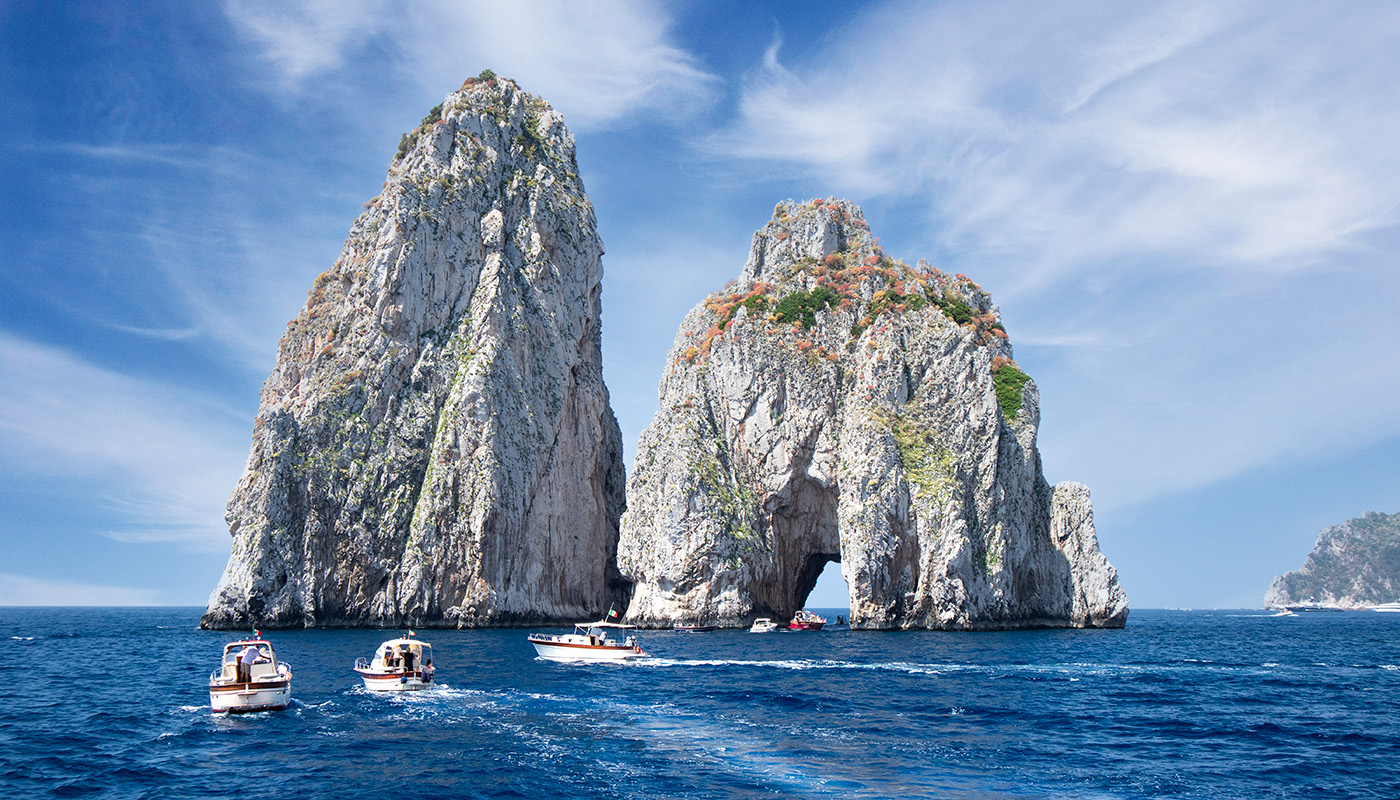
x,y
113,703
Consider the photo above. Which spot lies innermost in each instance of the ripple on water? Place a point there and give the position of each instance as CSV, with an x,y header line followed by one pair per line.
x,y
1187,705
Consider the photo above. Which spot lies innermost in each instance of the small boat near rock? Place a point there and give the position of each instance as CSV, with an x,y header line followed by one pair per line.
x,y
763,625
685,627
1307,607
398,665
805,620
589,642
249,678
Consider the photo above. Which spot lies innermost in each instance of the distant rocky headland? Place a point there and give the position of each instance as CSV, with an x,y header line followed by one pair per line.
x,y
1353,565
435,445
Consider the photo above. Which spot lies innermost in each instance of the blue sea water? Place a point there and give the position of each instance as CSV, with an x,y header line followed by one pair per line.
x,y
113,703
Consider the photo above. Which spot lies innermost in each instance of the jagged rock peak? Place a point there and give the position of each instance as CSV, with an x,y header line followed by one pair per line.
x,y
1352,565
833,403
435,444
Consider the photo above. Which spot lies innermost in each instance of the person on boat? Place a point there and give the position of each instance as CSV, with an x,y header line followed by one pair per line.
x,y
427,670
390,659
407,658
245,663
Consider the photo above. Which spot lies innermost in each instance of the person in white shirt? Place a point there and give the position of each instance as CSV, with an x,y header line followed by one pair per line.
x,y
245,663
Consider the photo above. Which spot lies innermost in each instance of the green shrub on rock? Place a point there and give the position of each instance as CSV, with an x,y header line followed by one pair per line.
x,y
803,306
1009,381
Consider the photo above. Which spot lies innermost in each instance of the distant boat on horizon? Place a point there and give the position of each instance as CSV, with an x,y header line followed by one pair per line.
x,y
1393,607
692,628
1312,607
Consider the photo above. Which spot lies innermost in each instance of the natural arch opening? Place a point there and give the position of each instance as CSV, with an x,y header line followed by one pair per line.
x,y
806,538
829,590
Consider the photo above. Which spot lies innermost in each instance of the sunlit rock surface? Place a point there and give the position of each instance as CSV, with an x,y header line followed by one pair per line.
x,y
435,444
834,404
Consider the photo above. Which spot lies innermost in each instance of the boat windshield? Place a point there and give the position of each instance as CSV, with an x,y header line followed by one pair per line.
x,y
233,651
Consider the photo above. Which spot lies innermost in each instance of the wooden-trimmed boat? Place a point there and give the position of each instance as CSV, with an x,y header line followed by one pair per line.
x,y
249,678
588,642
398,665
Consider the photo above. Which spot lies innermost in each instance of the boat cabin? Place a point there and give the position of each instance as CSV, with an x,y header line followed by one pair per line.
x,y
248,660
405,655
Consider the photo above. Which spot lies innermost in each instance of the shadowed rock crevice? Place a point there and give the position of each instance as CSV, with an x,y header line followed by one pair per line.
x,y
835,404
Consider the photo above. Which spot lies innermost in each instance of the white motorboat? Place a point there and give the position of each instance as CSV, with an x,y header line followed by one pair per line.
x,y
249,678
398,665
588,642
1394,607
763,625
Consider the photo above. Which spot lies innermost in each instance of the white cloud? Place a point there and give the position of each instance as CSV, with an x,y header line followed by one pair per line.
x,y
21,590
306,38
1207,380
232,241
1071,133
1185,210
597,62
169,458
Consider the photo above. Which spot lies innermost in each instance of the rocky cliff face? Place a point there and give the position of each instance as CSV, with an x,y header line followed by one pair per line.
x,y
835,404
1353,565
435,444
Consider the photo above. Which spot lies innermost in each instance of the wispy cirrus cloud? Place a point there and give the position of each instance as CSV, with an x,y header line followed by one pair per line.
x,y
598,62
24,590
1091,131
169,457
1169,212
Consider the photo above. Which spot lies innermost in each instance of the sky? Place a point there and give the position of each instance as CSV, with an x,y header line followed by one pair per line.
x,y
1187,212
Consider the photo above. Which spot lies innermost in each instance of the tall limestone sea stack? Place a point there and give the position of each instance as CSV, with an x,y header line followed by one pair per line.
x,y
835,404
435,444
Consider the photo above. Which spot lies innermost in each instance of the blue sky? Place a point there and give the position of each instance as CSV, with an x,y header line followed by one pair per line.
x,y
1187,213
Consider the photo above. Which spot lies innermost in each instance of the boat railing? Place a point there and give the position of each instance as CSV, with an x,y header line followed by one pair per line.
x,y
361,663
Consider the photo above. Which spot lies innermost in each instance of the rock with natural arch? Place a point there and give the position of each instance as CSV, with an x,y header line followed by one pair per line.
x,y
835,404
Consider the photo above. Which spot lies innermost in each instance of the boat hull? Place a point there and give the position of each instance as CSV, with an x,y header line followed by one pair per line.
x,y
243,698
393,681
568,651
806,626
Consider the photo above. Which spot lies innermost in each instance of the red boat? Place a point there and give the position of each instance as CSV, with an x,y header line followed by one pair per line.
x,y
805,620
